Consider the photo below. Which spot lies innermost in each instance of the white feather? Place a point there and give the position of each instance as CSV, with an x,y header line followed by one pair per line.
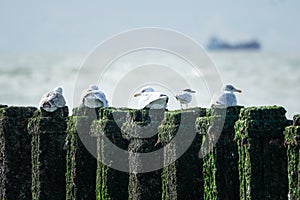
x,y
226,96
52,100
185,97
148,98
93,98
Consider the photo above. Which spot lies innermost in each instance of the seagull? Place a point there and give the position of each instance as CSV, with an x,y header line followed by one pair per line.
x,y
93,97
226,96
185,97
52,100
148,98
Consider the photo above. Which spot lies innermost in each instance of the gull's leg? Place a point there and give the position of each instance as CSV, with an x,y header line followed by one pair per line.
x,y
181,107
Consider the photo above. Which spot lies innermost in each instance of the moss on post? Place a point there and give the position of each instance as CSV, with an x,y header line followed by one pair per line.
x,y
81,164
56,165
292,142
15,148
48,157
110,183
140,129
262,156
296,120
181,179
220,167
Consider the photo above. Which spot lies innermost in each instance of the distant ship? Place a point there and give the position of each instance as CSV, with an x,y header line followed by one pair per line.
x,y
217,44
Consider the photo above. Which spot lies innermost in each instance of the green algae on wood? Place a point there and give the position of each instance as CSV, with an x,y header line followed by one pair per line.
x,y
110,183
140,129
181,179
15,145
220,169
80,163
292,143
262,155
259,137
296,120
48,157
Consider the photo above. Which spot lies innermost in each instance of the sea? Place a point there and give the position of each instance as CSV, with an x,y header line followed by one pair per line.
x,y
266,78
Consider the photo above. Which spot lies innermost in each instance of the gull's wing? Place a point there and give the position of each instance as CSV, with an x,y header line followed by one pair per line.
x,y
44,98
51,101
148,97
101,96
89,98
226,98
160,103
57,99
184,98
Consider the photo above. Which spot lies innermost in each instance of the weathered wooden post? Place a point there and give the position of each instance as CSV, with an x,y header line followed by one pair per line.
x,y
140,129
182,177
292,143
220,168
111,183
262,155
81,162
48,156
15,151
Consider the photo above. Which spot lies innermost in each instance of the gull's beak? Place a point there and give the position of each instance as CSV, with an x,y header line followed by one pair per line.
x,y
193,91
136,94
239,91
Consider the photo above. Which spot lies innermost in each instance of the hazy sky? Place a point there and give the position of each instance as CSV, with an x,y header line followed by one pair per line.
x,y
33,26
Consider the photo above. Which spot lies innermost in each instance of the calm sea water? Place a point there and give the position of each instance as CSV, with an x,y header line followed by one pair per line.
x,y
265,78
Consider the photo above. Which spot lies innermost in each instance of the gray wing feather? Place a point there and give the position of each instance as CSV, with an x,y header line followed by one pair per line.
x,y
101,96
57,100
184,98
227,98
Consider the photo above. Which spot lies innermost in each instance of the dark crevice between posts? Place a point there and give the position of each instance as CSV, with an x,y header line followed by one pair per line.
x,y
182,176
145,162
292,143
81,164
48,157
262,155
15,147
220,168
110,182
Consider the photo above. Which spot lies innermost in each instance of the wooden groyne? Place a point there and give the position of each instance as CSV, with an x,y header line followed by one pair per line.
x,y
44,155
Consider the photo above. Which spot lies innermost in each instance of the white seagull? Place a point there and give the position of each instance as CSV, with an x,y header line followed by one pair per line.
x,y
185,97
53,100
226,96
93,97
148,98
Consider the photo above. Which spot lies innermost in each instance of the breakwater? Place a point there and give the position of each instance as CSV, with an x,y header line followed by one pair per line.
x,y
44,155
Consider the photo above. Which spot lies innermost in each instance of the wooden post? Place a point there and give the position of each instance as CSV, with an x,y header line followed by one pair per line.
x,y
141,130
48,132
220,170
262,155
183,178
15,153
292,143
81,162
110,182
